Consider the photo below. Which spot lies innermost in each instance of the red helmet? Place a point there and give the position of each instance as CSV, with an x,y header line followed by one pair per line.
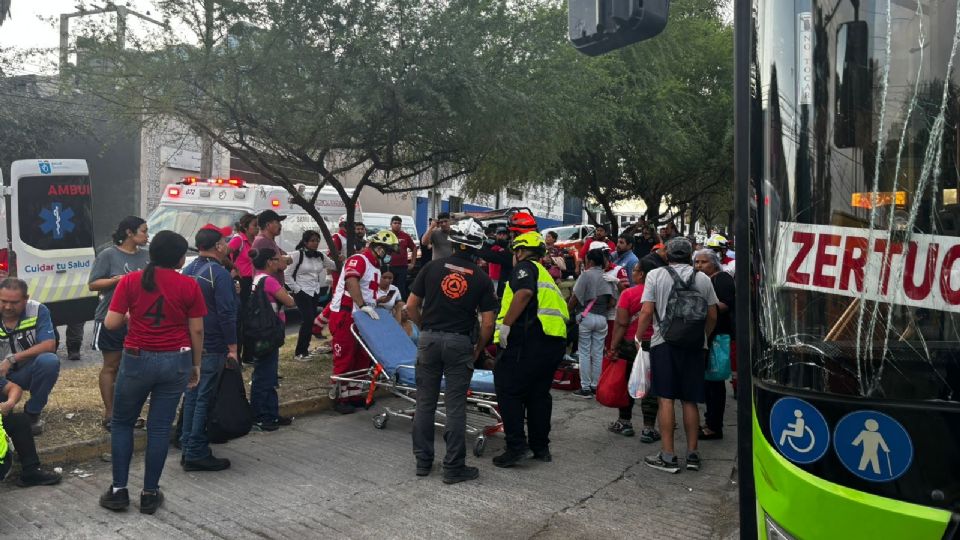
x,y
522,222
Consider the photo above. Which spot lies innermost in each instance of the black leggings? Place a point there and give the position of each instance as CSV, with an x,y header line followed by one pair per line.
x,y
307,305
246,287
649,404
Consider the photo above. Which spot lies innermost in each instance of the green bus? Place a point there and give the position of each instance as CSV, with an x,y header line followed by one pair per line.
x,y
848,259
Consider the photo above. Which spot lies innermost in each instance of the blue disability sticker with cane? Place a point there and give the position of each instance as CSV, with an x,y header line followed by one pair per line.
x,y
873,446
798,430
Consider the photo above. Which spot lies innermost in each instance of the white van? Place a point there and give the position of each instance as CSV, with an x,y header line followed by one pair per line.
x,y
193,202
46,231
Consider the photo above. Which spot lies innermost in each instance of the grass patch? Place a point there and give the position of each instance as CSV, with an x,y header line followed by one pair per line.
x,y
75,409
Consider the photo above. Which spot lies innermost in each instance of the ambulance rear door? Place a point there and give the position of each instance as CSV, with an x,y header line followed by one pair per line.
x,y
51,229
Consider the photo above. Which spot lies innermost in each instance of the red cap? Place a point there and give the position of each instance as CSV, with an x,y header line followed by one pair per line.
x,y
659,246
224,231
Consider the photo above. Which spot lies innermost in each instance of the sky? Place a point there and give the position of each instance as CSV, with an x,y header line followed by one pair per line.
x,y
36,23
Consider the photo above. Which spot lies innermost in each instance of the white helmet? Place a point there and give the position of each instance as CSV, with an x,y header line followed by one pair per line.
x,y
596,244
469,232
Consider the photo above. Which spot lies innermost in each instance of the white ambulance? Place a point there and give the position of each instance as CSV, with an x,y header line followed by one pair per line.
x,y
193,202
46,231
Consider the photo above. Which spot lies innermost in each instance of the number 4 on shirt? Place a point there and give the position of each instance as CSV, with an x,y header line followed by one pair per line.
x,y
155,312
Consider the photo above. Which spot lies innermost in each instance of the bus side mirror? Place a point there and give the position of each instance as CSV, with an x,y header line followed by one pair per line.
x,y
600,26
853,103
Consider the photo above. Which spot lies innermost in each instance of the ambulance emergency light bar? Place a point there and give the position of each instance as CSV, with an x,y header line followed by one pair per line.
x,y
175,191
871,199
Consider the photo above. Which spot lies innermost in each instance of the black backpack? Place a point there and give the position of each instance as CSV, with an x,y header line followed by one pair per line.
x,y
263,331
684,325
231,415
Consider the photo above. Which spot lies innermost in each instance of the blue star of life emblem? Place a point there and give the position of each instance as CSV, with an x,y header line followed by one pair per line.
x,y
57,220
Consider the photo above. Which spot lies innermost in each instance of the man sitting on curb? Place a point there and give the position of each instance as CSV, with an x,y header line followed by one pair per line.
x,y
17,427
32,362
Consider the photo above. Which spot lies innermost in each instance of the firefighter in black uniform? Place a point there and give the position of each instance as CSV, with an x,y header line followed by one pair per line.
x,y
453,290
531,335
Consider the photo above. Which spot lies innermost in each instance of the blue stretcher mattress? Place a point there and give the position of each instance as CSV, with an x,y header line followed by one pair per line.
x,y
392,348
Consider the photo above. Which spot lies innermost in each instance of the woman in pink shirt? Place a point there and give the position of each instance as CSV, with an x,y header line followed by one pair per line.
x,y
238,250
263,387
625,326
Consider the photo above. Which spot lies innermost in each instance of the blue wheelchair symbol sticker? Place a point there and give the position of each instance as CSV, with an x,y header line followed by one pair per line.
x,y
45,167
873,446
798,430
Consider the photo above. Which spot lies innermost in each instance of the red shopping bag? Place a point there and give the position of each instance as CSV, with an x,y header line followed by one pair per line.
x,y
612,388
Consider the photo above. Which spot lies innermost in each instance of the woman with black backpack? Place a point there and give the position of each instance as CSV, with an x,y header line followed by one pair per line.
x,y
266,348
307,278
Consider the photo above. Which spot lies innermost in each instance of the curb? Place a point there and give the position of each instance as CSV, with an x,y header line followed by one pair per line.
x,y
78,452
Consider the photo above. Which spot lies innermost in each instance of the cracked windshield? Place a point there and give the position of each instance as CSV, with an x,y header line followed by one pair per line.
x,y
860,263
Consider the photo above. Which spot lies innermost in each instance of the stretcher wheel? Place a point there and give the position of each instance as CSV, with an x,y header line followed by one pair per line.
x,y
380,421
479,446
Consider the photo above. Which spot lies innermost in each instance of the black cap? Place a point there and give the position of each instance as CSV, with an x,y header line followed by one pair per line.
x,y
267,216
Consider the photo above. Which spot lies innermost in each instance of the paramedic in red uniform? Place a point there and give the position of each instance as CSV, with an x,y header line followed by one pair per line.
x,y
356,290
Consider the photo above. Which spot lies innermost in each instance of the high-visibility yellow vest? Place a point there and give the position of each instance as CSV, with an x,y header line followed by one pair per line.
x,y
3,441
24,335
551,308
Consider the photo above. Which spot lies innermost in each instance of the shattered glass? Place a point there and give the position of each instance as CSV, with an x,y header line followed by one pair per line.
x,y
855,137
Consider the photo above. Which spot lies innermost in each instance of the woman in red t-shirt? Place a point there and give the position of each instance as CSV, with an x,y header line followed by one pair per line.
x,y
625,326
263,385
238,250
161,358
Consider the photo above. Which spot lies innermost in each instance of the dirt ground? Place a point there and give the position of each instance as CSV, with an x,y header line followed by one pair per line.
x,y
75,410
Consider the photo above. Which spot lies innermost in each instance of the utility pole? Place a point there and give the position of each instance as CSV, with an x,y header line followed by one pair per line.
x,y
206,142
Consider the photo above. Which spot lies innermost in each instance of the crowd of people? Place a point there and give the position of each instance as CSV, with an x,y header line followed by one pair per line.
x,y
483,298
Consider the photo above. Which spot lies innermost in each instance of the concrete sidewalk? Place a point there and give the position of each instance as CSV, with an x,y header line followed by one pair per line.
x,y
337,476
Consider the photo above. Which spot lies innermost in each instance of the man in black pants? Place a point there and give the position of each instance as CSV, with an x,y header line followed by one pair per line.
x,y
458,289
17,426
531,333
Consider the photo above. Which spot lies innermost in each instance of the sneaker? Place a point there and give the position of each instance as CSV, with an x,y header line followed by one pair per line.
x,y
509,458
693,461
209,463
302,357
622,428
284,420
266,426
115,500
424,468
38,477
543,455
583,393
36,427
344,408
656,461
150,502
74,356
463,475
649,435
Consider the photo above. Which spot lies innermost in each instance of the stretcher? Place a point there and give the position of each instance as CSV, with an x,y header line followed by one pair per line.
x,y
393,368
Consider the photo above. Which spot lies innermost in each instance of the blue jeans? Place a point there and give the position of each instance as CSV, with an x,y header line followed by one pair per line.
x,y
196,407
36,376
163,377
593,330
263,388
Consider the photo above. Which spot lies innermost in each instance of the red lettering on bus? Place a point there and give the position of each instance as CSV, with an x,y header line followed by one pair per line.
x,y
853,264
921,291
806,241
824,260
896,248
952,296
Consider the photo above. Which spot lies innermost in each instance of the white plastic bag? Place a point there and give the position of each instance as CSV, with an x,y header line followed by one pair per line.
x,y
639,384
